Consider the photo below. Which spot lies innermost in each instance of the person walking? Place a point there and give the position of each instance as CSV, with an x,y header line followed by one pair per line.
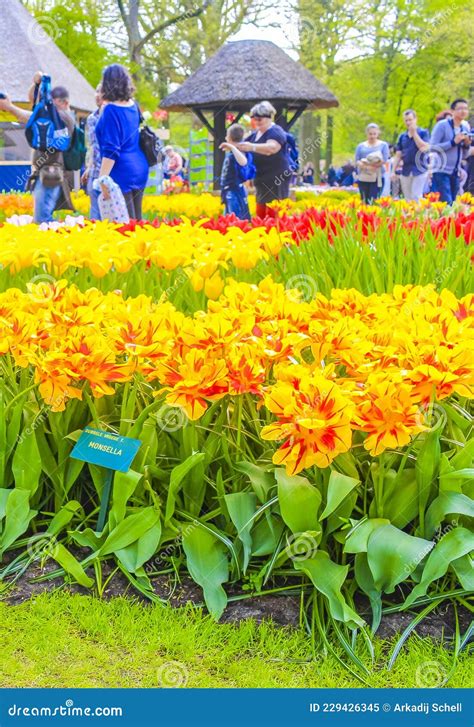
x,y
450,144
48,180
268,144
412,147
93,159
118,136
371,156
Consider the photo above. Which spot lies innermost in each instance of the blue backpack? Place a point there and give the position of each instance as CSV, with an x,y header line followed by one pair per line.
x,y
293,152
45,130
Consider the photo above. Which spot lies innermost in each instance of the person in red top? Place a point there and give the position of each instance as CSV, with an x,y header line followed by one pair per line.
x,y
173,166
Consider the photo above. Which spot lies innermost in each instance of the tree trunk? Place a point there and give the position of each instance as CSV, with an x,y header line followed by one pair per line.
x,y
133,31
329,140
310,141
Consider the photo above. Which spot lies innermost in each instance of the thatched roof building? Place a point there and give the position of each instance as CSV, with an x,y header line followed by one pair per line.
x,y
244,72
25,47
239,75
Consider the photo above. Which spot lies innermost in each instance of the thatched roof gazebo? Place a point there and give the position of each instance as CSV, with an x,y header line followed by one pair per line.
x,y
239,75
26,47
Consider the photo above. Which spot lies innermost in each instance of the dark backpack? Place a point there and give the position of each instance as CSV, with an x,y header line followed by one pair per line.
x,y
293,152
150,144
45,130
75,156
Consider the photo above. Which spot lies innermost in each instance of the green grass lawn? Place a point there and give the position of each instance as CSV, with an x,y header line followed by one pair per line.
x,y
62,640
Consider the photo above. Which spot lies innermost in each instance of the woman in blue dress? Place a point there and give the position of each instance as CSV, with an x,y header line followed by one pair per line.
x,y
118,135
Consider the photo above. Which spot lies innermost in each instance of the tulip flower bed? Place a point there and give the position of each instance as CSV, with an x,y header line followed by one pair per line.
x,y
315,250
302,388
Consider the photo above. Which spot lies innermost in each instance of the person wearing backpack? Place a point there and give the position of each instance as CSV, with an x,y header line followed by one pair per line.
x,y
118,135
294,155
48,182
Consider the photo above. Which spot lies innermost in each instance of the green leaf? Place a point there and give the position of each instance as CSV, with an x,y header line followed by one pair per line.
x,y
14,426
341,514
464,569
427,466
266,535
26,463
464,457
3,437
365,581
125,484
130,529
178,473
400,498
17,517
392,555
48,461
63,517
4,495
242,507
206,558
261,481
299,502
87,538
357,538
466,474
73,470
445,504
72,566
453,545
339,487
328,578
445,468
347,463
135,555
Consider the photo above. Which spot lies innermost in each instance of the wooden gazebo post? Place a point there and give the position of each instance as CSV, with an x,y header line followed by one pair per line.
x,y
219,136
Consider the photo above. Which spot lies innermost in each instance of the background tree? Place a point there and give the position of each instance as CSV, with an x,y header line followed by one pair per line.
x,y
382,57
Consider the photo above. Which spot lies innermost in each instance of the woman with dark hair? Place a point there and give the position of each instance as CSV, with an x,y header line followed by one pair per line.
x,y
268,144
117,133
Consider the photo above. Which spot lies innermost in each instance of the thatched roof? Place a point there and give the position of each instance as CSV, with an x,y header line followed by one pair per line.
x,y
25,48
246,71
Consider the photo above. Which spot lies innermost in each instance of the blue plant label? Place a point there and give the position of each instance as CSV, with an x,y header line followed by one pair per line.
x,y
106,449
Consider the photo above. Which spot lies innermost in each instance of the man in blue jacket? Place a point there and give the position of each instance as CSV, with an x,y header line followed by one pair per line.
x,y
450,144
